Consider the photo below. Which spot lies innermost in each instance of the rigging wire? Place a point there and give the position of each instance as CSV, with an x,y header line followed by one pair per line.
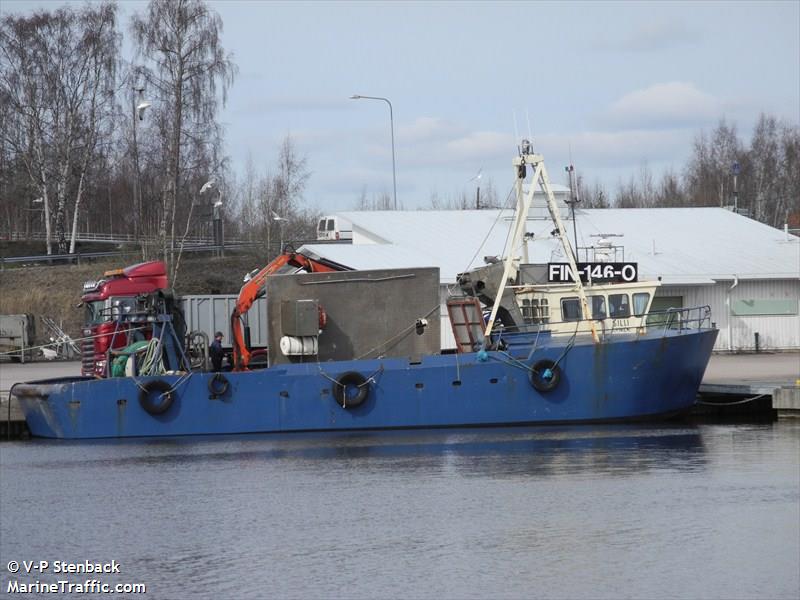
x,y
506,206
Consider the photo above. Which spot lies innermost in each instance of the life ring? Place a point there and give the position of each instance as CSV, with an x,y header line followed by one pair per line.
x,y
545,375
347,382
218,385
156,403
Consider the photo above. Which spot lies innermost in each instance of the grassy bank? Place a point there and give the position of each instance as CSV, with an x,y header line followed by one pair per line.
x,y
55,291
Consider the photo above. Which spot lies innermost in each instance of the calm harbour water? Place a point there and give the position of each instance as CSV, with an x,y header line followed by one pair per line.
x,y
660,511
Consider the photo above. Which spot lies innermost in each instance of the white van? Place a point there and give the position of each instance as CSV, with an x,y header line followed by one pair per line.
x,y
334,228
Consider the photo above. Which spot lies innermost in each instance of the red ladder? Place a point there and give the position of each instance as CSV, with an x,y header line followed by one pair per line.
x,y
466,319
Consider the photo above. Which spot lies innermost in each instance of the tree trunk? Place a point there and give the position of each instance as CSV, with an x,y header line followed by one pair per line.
x,y
78,198
42,183
61,207
177,129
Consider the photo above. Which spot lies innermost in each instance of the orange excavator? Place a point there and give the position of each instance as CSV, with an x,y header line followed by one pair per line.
x,y
288,263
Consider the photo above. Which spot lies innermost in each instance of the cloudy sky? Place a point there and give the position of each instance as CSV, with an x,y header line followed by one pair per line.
x,y
616,84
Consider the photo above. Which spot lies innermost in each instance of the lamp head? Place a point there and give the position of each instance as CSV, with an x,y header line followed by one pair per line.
x,y
207,186
140,108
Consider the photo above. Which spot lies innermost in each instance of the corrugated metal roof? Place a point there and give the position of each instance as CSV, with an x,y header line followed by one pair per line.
x,y
681,245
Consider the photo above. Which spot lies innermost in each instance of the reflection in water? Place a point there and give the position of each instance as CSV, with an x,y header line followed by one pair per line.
x,y
558,512
494,452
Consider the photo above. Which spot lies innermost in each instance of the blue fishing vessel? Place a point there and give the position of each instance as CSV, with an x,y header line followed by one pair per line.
x,y
334,365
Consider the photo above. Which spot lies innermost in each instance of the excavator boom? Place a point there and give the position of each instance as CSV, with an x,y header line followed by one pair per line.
x,y
287,263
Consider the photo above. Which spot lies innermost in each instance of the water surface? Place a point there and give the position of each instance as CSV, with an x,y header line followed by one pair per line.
x,y
663,511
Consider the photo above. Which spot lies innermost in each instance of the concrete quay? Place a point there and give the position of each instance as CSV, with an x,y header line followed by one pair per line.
x,y
757,375
12,421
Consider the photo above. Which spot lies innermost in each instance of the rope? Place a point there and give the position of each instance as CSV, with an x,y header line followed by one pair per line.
x,y
56,343
153,362
512,362
372,376
367,380
336,381
181,380
452,287
515,362
745,401
535,343
362,279
401,333
569,345
325,375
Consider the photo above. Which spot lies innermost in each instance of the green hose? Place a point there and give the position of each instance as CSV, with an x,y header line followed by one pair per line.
x,y
122,355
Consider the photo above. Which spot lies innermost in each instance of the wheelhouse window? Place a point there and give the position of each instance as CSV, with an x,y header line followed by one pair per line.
x,y
598,304
640,302
535,311
619,306
570,309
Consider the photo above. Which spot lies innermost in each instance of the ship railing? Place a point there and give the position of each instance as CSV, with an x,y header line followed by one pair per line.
x,y
681,319
668,322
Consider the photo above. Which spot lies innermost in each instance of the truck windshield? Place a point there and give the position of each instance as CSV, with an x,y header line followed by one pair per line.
x,y
96,313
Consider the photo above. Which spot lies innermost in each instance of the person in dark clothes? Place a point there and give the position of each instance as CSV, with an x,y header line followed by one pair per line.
x,y
215,351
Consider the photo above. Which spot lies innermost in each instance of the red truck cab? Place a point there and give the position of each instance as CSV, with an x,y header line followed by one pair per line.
x,y
105,301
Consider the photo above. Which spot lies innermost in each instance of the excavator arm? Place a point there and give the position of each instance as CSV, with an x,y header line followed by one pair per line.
x,y
288,262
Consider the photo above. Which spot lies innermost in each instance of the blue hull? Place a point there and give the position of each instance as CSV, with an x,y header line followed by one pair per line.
x,y
627,378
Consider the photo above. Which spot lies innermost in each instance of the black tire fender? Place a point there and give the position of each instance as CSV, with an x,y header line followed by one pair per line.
x,y
156,396
218,385
545,375
350,380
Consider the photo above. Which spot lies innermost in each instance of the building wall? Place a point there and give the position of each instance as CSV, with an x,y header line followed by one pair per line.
x,y
737,332
448,339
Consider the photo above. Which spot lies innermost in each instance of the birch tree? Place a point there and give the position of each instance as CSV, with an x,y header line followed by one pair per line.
x,y
188,72
57,71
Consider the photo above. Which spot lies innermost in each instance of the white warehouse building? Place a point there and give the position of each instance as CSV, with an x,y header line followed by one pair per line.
x,y
747,272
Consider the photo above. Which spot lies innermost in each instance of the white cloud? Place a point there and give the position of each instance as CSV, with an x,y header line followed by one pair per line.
x,y
461,148
427,129
617,148
672,104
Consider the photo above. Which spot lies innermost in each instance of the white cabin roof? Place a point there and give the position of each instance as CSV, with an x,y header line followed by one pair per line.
x,y
683,246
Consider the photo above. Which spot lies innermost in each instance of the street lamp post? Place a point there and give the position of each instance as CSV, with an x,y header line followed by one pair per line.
x,y
216,217
280,221
138,111
391,124
37,205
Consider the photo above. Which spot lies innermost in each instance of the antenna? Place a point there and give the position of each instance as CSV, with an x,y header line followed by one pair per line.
x,y
528,118
573,197
516,131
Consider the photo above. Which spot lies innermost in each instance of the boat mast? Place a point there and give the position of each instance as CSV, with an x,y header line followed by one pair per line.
x,y
540,179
